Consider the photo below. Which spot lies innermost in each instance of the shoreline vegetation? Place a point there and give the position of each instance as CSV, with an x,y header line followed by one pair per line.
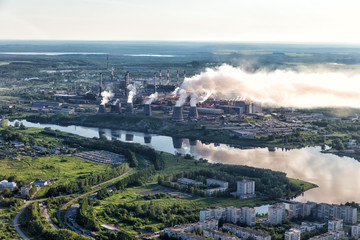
x,y
193,131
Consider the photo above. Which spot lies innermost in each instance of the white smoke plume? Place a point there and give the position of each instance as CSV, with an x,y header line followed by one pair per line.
x,y
132,92
278,88
153,97
183,96
106,97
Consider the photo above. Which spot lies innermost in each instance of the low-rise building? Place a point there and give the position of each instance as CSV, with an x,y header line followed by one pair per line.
x,y
292,234
211,181
309,226
217,235
329,236
6,184
335,224
245,233
184,231
188,181
355,231
41,182
25,189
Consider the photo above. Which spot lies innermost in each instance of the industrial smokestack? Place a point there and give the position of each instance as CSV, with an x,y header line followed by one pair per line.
x,y
178,113
100,85
147,139
147,110
129,108
177,78
107,62
193,113
168,77
102,109
184,74
160,81
155,82
127,82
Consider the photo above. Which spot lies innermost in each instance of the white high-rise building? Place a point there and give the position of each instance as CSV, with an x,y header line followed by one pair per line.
x,y
230,214
245,188
276,213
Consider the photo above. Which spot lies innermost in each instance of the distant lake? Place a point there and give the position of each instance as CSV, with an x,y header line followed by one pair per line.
x,y
338,178
88,53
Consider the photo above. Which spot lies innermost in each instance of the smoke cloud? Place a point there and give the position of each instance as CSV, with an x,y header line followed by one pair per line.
x,y
132,92
106,97
281,88
153,97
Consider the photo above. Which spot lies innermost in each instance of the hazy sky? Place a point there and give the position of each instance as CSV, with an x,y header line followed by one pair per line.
x,y
190,20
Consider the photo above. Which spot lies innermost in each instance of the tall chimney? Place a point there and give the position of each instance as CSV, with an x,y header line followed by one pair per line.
x,y
155,82
100,85
147,110
177,78
168,77
184,74
178,114
160,81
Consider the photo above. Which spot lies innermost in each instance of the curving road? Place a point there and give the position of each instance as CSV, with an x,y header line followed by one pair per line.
x,y
16,219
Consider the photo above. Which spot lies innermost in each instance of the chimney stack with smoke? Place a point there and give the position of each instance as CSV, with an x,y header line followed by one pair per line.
x,y
100,85
160,81
168,77
178,114
177,78
155,82
147,109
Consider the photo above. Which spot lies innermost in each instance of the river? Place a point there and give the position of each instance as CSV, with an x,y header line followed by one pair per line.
x,y
338,178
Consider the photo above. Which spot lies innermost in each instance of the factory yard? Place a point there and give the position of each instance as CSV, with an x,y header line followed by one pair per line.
x,y
102,157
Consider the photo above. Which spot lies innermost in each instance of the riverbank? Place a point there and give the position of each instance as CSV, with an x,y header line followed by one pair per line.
x,y
192,131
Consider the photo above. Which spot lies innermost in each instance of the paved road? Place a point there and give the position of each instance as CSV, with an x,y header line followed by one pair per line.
x,y
85,194
16,219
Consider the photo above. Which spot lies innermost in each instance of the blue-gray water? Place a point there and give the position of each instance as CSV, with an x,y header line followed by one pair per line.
x,y
338,178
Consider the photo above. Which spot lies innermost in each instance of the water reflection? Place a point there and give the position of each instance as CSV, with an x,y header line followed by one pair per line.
x,y
147,139
129,137
338,177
